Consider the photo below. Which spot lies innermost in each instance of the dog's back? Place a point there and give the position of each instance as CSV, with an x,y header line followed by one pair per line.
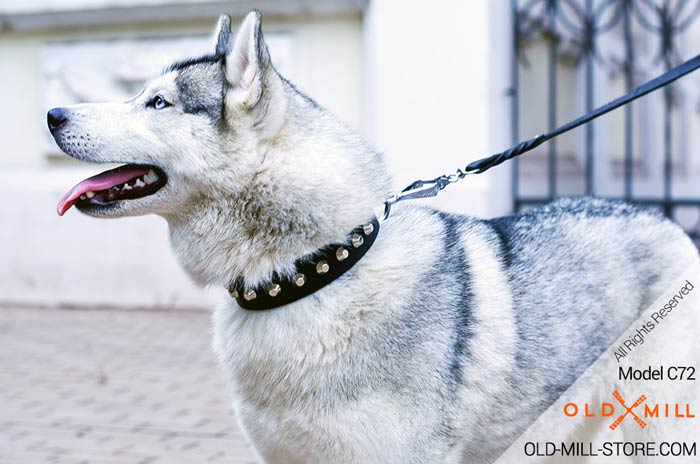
x,y
581,271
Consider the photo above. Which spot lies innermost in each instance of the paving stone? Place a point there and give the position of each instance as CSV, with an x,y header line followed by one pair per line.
x,y
113,387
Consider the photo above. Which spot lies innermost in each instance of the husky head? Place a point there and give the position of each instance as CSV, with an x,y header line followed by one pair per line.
x,y
249,173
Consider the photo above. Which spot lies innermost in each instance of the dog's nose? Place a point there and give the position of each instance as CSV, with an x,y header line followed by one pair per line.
x,y
56,117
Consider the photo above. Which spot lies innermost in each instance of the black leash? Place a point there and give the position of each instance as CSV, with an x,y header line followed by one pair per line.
x,y
430,188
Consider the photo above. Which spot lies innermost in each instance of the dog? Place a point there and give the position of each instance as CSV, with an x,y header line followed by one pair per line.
x,y
441,345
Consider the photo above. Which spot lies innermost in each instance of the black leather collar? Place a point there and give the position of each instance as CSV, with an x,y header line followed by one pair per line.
x,y
313,272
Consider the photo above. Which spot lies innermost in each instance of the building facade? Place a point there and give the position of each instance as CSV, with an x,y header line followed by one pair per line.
x,y
432,85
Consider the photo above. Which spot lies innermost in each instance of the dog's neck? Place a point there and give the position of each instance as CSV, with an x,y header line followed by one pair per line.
x,y
307,192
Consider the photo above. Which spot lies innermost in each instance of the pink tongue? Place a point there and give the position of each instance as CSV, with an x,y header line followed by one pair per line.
x,y
104,181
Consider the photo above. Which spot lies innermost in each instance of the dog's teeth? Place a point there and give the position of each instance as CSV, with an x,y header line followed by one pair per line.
x,y
115,188
82,197
126,187
139,183
150,177
89,194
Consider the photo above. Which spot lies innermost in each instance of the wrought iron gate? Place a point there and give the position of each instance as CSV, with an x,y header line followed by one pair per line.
x,y
589,51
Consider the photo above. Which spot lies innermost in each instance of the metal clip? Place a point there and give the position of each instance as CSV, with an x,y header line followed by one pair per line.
x,y
418,189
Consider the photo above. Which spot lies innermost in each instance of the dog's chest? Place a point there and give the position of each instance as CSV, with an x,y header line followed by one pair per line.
x,y
286,377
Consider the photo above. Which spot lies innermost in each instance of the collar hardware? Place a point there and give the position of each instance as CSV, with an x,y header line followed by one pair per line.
x,y
313,272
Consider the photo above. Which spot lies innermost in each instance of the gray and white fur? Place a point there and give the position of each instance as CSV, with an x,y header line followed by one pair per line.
x,y
442,344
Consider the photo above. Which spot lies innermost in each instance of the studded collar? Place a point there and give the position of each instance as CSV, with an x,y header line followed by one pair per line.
x,y
313,272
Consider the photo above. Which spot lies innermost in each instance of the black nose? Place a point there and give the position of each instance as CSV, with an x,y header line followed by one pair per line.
x,y
56,117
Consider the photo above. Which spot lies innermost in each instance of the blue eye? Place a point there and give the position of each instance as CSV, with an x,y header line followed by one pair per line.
x,y
158,103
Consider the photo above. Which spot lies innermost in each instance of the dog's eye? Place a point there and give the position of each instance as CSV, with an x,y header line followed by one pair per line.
x,y
158,102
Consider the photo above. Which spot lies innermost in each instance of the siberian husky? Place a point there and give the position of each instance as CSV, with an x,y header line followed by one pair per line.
x,y
440,345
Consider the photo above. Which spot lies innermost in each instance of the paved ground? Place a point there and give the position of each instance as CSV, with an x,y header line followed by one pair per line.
x,y
117,387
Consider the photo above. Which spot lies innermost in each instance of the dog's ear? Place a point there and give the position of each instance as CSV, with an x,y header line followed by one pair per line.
x,y
248,65
222,36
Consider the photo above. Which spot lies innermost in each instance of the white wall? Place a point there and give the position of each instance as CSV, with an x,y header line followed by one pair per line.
x,y
436,77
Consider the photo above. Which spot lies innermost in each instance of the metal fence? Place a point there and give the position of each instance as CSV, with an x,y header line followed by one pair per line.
x,y
582,25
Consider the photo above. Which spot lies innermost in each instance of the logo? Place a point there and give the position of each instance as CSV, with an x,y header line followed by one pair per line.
x,y
628,411
641,410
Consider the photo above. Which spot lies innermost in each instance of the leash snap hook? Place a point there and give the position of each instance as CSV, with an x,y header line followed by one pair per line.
x,y
419,189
